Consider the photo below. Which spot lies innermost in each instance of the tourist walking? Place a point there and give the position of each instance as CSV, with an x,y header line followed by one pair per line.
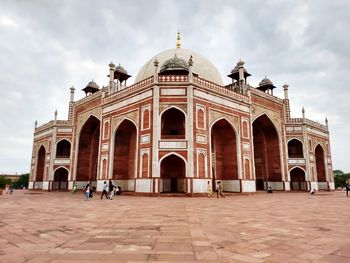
x,y
347,188
104,190
209,190
219,189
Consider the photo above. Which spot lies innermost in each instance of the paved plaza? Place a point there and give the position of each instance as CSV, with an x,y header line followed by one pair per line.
x,y
279,227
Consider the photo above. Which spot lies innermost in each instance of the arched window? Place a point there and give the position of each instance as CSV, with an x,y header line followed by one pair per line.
x,y
295,149
63,149
145,119
144,165
201,165
245,129
200,116
106,130
104,169
173,124
247,169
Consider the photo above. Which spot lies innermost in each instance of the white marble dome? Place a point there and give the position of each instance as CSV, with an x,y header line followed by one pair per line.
x,y
201,66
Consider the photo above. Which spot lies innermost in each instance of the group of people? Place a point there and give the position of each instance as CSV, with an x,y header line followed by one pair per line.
x,y
219,190
9,189
109,190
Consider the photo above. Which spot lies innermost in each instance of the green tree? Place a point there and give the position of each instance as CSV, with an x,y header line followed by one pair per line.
x,y
4,181
340,178
22,181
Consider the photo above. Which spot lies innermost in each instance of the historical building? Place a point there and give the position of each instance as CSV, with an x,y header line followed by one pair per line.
x,y
178,127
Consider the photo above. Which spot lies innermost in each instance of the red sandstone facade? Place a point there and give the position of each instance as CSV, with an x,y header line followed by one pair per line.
x,y
178,128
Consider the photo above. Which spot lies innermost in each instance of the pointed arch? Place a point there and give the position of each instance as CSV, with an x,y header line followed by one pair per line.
x,y
295,148
63,148
60,178
267,152
320,163
297,178
124,149
41,159
224,144
173,123
173,173
87,149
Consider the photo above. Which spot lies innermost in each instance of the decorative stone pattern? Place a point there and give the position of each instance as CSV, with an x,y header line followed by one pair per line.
x,y
133,115
83,117
216,115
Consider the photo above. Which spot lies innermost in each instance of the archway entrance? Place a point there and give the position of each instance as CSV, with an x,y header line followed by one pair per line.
x,y
173,174
224,152
125,151
320,168
297,179
40,165
266,153
88,150
60,179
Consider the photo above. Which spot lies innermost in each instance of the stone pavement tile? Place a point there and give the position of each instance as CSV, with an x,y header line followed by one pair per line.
x,y
335,259
344,252
173,247
172,257
245,258
95,246
278,257
12,258
206,255
286,227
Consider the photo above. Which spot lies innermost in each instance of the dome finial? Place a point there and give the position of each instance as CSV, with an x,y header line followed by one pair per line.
x,y
178,43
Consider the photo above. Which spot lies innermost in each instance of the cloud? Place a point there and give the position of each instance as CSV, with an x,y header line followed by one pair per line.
x,y
56,44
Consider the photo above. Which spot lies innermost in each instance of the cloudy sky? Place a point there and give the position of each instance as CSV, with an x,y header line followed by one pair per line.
x,y
48,46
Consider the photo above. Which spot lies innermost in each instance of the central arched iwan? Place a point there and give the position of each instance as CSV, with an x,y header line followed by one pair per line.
x,y
224,149
88,150
266,152
124,151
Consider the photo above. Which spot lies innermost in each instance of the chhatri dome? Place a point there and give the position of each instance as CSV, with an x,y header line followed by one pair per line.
x,y
201,66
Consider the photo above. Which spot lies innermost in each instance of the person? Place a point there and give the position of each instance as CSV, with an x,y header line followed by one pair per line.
x,y
12,188
347,188
87,192
209,190
118,191
269,190
111,187
313,191
219,189
92,190
104,190
74,189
